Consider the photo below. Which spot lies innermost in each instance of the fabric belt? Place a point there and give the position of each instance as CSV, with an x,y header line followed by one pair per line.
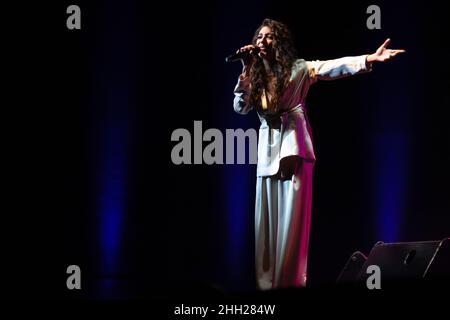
x,y
281,118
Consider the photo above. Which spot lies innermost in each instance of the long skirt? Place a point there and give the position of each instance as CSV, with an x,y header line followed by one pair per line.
x,y
282,225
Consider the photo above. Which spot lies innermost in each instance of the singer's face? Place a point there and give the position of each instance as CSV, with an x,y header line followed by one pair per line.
x,y
264,41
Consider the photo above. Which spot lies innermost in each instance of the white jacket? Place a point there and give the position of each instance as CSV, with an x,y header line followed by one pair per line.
x,y
287,132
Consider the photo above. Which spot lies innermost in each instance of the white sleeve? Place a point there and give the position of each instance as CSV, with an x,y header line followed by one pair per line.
x,y
241,96
337,68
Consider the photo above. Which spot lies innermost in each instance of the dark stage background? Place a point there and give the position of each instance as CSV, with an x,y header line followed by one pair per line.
x,y
89,118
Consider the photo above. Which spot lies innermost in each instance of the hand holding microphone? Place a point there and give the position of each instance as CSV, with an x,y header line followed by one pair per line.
x,y
246,54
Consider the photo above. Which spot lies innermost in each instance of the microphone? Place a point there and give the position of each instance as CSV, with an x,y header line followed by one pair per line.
x,y
243,54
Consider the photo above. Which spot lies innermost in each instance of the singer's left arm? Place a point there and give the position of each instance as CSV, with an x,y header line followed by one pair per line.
x,y
342,67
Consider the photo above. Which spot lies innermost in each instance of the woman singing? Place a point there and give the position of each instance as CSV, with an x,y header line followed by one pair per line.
x,y
275,83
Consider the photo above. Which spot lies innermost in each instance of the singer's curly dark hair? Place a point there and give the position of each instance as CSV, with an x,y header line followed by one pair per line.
x,y
284,56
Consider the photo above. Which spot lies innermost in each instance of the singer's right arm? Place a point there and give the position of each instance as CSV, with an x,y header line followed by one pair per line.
x,y
241,94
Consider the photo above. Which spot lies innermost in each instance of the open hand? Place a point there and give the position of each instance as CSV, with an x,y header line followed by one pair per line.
x,y
383,53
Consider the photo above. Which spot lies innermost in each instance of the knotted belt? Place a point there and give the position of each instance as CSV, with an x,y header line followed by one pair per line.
x,y
282,119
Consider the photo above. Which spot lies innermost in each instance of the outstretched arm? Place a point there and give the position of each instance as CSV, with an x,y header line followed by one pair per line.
x,y
342,67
